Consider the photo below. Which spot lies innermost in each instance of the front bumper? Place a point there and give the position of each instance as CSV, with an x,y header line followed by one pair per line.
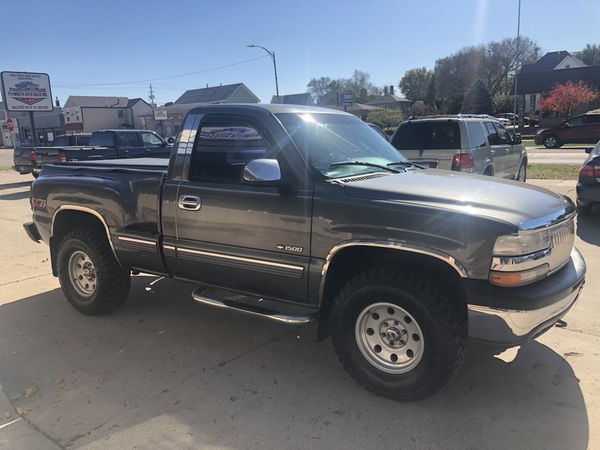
x,y
513,316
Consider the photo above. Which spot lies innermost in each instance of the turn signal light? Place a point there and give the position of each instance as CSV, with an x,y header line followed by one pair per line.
x,y
463,162
33,156
62,157
521,278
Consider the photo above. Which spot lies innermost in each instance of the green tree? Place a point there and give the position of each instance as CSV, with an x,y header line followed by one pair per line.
x,y
325,89
416,83
478,99
590,54
386,118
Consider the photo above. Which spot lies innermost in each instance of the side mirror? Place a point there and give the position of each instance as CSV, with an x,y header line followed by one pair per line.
x,y
588,150
170,140
262,172
516,138
567,125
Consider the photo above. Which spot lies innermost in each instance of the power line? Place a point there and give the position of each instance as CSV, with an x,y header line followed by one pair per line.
x,y
161,78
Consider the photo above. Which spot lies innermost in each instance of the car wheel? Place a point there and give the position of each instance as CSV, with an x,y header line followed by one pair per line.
x,y
551,141
488,172
522,174
90,276
397,334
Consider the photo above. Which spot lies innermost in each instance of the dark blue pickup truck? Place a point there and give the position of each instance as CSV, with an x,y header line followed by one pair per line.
x,y
102,144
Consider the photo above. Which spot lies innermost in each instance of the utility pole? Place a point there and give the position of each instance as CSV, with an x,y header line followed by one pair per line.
x,y
151,97
516,65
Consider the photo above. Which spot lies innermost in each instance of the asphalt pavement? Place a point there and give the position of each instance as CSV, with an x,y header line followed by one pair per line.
x,y
166,372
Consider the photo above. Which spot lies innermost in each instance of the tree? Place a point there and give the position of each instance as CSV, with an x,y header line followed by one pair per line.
x,y
386,118
321,87
325,89
565,98
420,108
416,83
478,99
590,54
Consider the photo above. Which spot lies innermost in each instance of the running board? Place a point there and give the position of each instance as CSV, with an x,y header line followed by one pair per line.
x,y
249,305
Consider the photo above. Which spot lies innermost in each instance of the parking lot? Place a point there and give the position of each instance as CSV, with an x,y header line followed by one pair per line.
x,y
166,372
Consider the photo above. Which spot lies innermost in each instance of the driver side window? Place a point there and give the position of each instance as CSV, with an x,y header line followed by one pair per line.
x,y
223,148
152,140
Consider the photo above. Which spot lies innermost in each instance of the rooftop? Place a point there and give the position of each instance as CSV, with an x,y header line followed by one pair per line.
x,y
213,94
90,101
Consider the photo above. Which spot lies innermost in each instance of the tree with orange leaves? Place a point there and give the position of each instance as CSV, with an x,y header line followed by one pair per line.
x,y
564,98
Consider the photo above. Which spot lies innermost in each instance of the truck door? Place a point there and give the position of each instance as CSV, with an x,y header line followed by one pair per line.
x,y
154,146
129,145
226,233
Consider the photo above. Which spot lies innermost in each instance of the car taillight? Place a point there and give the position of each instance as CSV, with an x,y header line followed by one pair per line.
x,y
62,157
589,171
33,156
463,162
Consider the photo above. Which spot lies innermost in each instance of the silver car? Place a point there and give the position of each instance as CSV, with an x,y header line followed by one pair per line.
x,y
476,144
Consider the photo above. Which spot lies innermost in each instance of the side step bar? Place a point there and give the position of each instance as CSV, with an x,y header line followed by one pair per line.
x,y
249,305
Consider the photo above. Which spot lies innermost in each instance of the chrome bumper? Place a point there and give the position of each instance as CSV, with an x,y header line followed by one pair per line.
x,y
511,327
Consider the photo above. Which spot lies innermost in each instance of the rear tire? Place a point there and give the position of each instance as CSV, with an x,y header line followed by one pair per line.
x,y
552,141
90,276
397,334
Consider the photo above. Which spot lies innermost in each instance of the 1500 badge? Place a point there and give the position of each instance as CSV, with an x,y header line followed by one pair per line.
x,y
290,248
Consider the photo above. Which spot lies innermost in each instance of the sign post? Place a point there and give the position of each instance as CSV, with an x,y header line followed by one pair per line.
x,y
347,99
160,114
27,92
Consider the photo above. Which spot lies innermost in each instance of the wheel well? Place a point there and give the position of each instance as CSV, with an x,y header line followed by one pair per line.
x,y
350,261
66,221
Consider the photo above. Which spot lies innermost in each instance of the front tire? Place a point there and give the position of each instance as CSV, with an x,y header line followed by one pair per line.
x,y
90,276
551,141
522,173
397,334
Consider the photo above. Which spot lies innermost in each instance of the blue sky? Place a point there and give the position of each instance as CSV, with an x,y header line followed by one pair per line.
x,y
83,42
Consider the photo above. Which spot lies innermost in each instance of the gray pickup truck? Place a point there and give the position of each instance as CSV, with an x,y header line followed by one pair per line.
x,y
301,214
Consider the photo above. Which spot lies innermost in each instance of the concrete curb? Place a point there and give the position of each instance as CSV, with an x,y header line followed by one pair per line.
x,y
17,433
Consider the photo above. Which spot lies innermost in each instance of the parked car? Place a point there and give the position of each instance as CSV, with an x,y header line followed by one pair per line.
x,y
576,130
514,118
463,143
102,144
588,186
301,214
379,131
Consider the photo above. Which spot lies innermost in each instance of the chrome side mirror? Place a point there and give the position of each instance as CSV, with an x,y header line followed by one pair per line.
x,y
262,171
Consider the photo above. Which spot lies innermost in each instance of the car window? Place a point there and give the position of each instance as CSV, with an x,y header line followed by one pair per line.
x,y
502,134
223,148
102,139
592,119
476,133
427,135
492,132
576,121
61,141
152,140
83,140
128,140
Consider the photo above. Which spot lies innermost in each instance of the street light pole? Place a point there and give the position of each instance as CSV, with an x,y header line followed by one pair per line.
x,y
517,62
272,55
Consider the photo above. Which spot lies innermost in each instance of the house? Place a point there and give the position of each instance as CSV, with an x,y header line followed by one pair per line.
x,y
91,113
391,101
537,79
230,93
360,110
48,124
294,99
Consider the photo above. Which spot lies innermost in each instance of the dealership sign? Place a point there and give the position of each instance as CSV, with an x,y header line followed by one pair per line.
x,y
26,91
160,114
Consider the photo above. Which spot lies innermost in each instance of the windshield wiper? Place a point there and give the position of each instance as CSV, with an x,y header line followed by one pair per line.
x,y
406,164
363,163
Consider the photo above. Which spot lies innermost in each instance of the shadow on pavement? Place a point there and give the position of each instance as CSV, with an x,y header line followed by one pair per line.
x,y
588,227
15,185
167,371
15,195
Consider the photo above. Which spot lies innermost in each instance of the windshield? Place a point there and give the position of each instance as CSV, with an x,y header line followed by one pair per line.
x,y
326,140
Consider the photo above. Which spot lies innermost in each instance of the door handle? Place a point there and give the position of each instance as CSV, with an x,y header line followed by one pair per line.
x,y
189,203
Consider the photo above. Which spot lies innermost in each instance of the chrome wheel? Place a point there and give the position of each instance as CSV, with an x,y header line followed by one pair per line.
x,y
82,273
389,338
551,142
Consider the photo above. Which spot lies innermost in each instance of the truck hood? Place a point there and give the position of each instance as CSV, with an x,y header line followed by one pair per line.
x,y
504,200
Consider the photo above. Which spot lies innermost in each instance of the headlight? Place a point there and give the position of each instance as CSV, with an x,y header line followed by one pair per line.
x,y
520,259
521,244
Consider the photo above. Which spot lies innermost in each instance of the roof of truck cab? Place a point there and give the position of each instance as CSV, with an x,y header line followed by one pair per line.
x,y
272,108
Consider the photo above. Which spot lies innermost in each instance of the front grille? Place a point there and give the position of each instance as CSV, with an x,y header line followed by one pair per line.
x,y
562,238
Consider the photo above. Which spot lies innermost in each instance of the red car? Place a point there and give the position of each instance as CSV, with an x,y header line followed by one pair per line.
x,y
576,130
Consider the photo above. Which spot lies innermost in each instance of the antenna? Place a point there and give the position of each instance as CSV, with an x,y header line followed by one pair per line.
x,y
151,97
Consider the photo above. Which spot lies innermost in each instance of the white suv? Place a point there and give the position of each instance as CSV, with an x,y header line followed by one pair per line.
x,y
467,143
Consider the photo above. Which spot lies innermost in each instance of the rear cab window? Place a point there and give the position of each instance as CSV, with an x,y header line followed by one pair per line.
x,y
435,135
